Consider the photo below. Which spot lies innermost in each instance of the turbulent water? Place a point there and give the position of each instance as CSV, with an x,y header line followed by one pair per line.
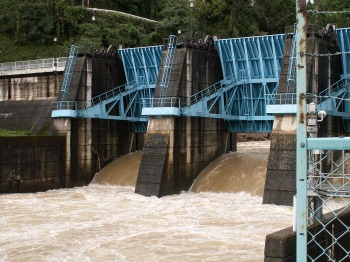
x,y
112,223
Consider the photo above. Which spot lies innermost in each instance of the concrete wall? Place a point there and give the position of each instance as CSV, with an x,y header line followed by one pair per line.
x,y
280,246
178,148
30,87
29,164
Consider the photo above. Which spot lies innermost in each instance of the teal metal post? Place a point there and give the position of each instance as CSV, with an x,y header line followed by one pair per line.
x,y
301,214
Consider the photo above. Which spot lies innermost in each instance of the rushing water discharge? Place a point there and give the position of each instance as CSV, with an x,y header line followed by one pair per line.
x,y
103,222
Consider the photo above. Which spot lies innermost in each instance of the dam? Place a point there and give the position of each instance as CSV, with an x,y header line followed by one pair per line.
x,y
190,120
191,108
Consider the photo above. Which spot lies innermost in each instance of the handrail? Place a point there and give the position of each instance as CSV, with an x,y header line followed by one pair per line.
x,y
65,105
334,88
209,90
281,99
33,64
162,102
111,93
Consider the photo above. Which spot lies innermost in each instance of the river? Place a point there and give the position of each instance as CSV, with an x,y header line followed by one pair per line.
x,y
221,218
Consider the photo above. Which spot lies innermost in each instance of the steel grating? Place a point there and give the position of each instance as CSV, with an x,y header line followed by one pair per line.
x,y
328,192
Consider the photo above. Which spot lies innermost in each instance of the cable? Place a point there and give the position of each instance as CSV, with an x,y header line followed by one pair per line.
x,y
328,12
319,55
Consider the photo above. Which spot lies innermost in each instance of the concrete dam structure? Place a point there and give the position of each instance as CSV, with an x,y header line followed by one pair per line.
x,y
182,104
86,145
214,96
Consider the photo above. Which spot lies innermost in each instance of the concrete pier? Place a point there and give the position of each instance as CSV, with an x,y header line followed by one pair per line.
x,y
280,185
178,148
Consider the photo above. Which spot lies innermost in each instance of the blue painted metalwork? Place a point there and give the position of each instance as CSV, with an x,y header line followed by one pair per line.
x,y
141,64
141,67
301,147
234,101
344,44
246,98
165,106
68,71
120,103
259,58
251,67
64,109
292,65
168,65
335,99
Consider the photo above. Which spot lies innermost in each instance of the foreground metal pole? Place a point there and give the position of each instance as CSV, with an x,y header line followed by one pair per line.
x,y
301,227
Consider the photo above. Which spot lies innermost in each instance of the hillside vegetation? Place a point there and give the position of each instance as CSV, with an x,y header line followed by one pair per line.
x,y
28,27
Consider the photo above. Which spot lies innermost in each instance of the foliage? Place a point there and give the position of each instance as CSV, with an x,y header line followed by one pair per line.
x,y
175,16
35,23
273,16
12,133
340,19
29,27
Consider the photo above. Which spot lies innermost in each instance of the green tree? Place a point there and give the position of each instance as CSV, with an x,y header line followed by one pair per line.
x,y
175,15
273,16
340,19
225,18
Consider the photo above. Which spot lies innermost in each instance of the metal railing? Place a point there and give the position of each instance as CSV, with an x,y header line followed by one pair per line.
x,y
281,99
65,105
33,64
110,94
331,90
161,102
214,88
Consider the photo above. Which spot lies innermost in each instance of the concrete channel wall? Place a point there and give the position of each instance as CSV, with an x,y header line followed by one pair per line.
x,y
29,164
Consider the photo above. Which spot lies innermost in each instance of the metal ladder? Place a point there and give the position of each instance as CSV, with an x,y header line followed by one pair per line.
x,y
168,65
292,65
68,71
246,106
